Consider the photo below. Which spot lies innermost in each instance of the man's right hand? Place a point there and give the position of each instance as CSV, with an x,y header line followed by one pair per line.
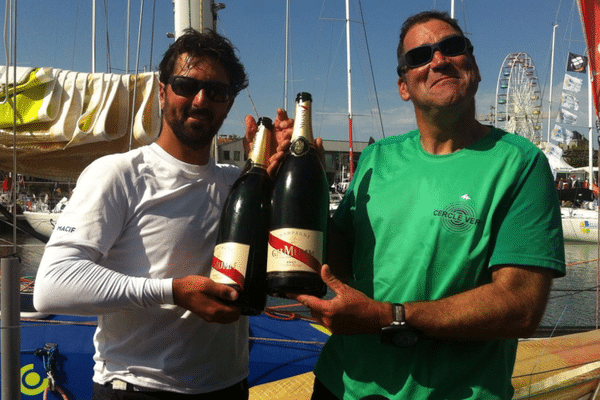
x,y
204,297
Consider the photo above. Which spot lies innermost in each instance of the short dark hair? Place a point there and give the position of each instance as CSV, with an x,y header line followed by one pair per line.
x,y
424,17
207,43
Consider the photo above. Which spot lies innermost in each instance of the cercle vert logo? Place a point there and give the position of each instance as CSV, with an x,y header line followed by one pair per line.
x,y
458,217
32,383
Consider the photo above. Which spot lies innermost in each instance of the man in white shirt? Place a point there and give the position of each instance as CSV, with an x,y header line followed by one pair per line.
x,y
135,243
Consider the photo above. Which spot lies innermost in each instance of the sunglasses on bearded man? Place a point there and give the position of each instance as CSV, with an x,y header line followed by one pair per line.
x,y
187,87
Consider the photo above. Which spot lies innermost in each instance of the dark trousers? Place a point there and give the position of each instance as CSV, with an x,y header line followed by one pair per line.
x,y
238,391
320,392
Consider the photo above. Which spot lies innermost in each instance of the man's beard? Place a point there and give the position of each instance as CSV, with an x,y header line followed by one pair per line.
x,y
195,135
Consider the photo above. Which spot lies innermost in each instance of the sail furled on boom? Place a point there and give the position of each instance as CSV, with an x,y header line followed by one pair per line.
x,y
67,119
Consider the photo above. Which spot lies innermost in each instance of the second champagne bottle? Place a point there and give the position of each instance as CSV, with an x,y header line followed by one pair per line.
x,y
299,213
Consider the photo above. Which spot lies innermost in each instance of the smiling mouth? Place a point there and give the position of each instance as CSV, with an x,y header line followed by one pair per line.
x,y
444,79
199,117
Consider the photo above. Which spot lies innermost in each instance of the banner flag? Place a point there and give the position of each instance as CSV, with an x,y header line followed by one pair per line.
x,y
569,101
572,84
576,63
561,135
566,117
553,152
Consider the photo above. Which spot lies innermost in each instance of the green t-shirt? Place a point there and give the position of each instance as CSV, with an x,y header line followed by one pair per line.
x,y
424,227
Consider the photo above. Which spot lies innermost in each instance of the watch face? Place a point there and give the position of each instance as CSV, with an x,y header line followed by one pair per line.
x,y
399,335
405,338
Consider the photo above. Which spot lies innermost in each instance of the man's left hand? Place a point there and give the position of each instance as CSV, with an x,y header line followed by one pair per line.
x,y
349,312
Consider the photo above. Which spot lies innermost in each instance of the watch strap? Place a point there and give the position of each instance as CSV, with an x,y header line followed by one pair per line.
x,y
398,314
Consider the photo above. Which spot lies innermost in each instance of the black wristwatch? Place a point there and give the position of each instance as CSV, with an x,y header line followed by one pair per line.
x,y
399,333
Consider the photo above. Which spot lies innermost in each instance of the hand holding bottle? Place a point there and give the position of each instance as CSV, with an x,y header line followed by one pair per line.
x,y
350,312
280,141
202,296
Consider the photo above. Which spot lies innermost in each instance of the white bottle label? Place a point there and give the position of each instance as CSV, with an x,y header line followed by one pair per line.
x,y
229,263
295,250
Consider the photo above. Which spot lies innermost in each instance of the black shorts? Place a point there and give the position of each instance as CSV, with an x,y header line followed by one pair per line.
x,y
239,391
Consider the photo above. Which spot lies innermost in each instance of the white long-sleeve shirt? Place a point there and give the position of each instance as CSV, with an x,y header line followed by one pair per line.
x,y
136,221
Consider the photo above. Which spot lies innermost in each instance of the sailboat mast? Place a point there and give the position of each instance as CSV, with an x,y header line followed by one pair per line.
x,y
348,63
287,41
128,36
93,36
590,130
551,78
197,14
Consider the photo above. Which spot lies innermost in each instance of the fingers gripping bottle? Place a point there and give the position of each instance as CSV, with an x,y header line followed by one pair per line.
x,y
299,213
240,254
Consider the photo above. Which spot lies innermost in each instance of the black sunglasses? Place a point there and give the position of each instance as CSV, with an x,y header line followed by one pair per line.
x,y
187,87
449,47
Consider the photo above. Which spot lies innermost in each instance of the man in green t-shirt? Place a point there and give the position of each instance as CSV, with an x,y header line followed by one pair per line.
x,y
443,250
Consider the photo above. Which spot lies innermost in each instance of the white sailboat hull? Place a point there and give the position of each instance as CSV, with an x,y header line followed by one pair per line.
x,y
41,222
580,224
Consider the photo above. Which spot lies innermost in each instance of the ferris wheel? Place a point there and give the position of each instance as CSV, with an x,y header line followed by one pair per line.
x,y
518,98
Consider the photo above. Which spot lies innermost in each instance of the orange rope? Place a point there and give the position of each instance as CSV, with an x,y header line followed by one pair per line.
x,y
56,389
274,312
582,262
285,305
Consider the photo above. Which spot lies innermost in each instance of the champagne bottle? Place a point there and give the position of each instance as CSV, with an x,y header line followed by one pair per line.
x,y
240,254
299,213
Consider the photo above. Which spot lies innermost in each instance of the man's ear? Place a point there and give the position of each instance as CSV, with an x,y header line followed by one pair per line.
x,y
161,94
403,89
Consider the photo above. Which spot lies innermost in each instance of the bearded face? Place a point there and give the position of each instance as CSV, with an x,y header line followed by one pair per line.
x,y
194,126
192,112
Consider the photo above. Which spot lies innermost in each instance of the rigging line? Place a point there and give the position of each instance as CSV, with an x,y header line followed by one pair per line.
x,y
243,121
464,11
152,34
543,352
317,125
330,71
557,369
108,62
290,64
137,67
7,19
572,292
252,102
73,58
15,110
362,18
557,12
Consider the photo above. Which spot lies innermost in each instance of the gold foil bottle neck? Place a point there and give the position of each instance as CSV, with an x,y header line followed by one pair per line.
x,y
262,142
303,118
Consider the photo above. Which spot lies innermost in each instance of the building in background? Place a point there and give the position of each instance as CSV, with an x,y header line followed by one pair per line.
x,y
337,158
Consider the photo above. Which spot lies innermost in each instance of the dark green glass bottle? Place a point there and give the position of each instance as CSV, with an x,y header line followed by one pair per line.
x,y
240,255
299,212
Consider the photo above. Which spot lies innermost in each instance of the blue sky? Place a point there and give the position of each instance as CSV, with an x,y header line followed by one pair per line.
x,y
57,33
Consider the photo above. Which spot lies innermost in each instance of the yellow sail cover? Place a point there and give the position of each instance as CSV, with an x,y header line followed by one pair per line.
x,y
66,119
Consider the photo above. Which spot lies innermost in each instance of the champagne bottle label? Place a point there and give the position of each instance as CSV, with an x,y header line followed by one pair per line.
x,y
229,263
295,250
